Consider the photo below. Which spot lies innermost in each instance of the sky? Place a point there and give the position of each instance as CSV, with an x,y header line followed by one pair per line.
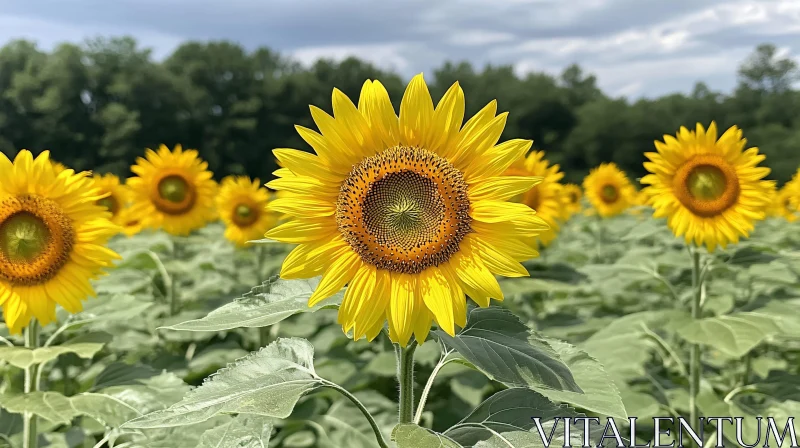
x,y
636,48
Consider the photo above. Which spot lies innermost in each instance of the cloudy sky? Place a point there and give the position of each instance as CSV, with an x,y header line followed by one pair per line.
x,y
635,47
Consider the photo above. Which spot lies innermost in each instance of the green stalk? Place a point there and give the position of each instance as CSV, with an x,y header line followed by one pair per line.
x,y
29,433
694,358
405,377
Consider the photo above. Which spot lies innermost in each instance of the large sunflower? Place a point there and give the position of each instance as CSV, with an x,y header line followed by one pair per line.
x,y
52,239
411,212
544,197
571,196
242,206
608,190
116,197
173,190
709,190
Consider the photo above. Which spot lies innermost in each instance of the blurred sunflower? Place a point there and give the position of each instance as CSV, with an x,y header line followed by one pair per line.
x,y
544,197
412,213
117,197
571,196
242,207
781,205
52,239
608,190
709,190
172,190
786,201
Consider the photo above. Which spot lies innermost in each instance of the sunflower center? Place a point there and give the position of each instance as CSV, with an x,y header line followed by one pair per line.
x,y
609,194
173,189
573,197
707,185
24,237
404,210
174,195
244,215
110,203
36,238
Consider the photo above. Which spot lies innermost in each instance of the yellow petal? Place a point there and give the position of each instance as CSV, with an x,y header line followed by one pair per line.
x,y
340,271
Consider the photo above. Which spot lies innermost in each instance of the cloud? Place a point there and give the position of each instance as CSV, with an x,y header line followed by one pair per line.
x,y
635,47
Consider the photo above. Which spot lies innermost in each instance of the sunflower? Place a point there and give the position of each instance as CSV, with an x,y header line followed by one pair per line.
x,y
132,225
411,212
571,196
545,197
52,239
172,190
786,201
709,190
242,206
116,197
608,190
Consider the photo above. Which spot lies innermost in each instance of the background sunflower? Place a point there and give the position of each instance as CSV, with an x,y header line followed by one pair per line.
x,y
116,198
608,189
173,190
544,197
710,190
241,204
571,196
52,239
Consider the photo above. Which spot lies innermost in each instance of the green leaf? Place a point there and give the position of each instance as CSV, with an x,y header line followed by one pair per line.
x,y
599,395
622,346
108,308
120,373
346,426
84,346
268,382
50,406
106,409
733,334
506,411
243,431
506,350
412,436
263,306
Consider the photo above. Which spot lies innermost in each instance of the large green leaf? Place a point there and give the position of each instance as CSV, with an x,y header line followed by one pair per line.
x,y
733,334
112,406
242,431
507,411
268,382
599,395
264,305
413,436
84,346
506,350
50,406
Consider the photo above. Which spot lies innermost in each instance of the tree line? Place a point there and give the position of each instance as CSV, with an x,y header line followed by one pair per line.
x,y
98,104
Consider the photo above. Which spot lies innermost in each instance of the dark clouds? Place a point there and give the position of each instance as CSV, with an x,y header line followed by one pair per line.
x,y
636,47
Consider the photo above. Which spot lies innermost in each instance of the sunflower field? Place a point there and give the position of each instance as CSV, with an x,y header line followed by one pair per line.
x,y
412,281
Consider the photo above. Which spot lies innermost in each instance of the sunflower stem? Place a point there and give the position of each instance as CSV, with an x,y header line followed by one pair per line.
x,y
694,355
29,433
405,377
